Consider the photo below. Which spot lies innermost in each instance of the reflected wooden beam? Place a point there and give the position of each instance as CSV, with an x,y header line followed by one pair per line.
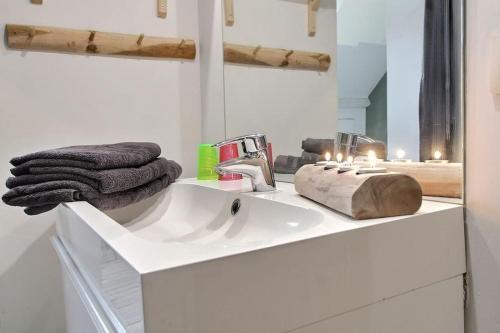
x,y
274,57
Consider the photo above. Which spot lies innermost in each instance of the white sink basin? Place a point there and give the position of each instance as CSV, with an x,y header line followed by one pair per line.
x,y
193,214
181,261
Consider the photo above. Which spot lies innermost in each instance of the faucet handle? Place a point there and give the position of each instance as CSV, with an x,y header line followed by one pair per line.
x,y
251,143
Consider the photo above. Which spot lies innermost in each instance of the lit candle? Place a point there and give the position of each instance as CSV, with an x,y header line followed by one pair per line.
x,y
340,157
327,161
347,165
437,158
372,160
400,154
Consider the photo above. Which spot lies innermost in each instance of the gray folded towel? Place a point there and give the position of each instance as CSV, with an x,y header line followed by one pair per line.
x,y
97,157
318,146
108,176
286,164
41,198
309,158
39,209
104,181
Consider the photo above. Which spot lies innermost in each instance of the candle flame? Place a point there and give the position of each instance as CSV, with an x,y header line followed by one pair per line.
x,y
372,158
400,154
350,159
437,155
340,157
328,156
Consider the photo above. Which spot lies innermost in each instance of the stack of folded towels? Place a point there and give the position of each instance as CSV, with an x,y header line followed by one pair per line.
x,y
313,151
107,176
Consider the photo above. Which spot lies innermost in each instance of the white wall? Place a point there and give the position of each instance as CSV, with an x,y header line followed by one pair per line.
x,y
49,100
482,166
352,114
361,21
211,51
405,30
287,105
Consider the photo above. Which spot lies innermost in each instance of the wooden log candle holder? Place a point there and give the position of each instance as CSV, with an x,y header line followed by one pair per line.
x,y
363,196
436,180
282,58
29,37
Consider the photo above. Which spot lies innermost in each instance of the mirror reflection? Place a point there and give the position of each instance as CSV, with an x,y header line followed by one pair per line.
x,y
351,79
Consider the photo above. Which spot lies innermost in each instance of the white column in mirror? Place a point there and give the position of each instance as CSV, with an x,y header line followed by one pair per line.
x,y
404,36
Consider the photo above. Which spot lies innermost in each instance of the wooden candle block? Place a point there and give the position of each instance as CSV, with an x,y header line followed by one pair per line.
x,y
360,196
436,179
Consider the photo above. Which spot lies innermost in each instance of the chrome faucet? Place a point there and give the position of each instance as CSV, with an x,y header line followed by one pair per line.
x,y
254,163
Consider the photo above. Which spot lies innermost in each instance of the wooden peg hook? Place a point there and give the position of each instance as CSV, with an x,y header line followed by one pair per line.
x,y
162,8
313,6
229,12
91,36
257,49
140,39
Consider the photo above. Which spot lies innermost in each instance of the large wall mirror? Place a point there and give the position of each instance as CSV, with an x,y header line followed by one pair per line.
x,y
385,75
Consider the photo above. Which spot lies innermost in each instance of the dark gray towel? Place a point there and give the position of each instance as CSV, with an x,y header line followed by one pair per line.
x,y
41,198
51,192
39,209
309,158
104,181
318,146
13,182
109,156
286,164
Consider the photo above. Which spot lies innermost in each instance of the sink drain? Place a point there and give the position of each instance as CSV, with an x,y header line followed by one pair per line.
x,y
235,206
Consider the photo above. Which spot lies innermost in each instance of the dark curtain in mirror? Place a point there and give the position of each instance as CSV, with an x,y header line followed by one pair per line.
x,y
440,87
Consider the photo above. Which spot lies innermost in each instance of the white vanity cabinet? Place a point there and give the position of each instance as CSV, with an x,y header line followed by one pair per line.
x,y
84,314
160,267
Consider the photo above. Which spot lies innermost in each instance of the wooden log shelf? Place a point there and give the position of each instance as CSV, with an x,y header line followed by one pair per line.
x,y
364,196
273,57
29,37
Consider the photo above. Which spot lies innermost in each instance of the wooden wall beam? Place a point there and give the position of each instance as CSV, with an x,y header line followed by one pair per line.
x,y
28,37
273,57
